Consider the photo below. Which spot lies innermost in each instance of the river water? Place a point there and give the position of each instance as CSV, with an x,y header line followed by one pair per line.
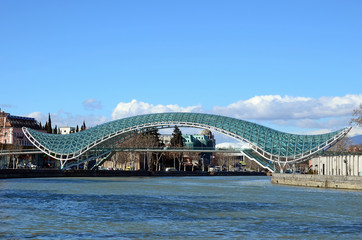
x,y
175,208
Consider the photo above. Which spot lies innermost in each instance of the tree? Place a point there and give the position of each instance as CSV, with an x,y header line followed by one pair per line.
x,y
49,125
221,159
357,113
342,145
55,130
77,129
177,142
176,139
195,160
83,127
151,139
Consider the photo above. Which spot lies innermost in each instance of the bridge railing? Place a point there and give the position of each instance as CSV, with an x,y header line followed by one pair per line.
x,y
140,149
19,152
171,149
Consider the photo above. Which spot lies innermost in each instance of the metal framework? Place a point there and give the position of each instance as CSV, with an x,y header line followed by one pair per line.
x,y
270,144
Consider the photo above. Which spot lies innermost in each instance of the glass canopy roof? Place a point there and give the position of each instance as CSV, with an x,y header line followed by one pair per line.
x,y
267,142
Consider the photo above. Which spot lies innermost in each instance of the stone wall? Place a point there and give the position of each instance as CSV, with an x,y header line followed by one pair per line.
x,y
28,173
311,180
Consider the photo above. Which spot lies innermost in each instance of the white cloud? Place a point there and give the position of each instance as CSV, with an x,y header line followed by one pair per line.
x,y
319,131
297,114
38,116
354,132
92,104
275,107
330,122
137,108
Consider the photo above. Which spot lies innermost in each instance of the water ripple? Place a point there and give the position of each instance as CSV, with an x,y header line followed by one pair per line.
x,y
176,208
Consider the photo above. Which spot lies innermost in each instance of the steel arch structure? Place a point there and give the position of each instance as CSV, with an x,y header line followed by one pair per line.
x,y
270,144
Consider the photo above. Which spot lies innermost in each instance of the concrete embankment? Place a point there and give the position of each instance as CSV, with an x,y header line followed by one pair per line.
x,y
310,180
28,173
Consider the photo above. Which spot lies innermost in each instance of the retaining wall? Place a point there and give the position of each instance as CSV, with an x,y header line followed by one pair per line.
x,y
29,173
310,180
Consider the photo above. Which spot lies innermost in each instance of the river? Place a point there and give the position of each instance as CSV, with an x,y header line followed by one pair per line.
x,y
175,208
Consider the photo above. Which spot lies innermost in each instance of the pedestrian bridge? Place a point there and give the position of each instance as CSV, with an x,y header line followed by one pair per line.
x,y
267,144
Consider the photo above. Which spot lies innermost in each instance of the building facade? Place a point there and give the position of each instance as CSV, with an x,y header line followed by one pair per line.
x,y
11,129
338,164
66,130
12,137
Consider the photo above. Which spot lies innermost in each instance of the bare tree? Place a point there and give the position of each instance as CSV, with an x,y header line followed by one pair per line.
x,y
159,156
342,145
123,158
119,159
177,142
179,157
220,159
357,113
17,147
195,160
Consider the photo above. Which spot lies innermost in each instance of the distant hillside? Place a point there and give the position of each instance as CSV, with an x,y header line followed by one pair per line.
x,y
357,139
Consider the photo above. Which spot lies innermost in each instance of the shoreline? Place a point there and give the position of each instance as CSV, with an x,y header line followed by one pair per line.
x,y
45,173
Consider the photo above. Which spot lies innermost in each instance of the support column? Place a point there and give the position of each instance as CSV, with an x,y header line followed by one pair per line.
x,y
144,161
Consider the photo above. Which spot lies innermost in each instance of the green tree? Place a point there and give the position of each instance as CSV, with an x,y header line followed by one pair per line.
x,y
77,129
55,130
176,139
83,127
153,138
49,125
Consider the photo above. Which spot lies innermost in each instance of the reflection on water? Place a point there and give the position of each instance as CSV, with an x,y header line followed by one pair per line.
x,y
174,208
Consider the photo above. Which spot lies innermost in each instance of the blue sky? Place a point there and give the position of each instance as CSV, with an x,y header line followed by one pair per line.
x,y
292,65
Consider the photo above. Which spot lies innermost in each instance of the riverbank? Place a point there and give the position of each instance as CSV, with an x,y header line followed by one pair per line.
x,y
29,173
324,181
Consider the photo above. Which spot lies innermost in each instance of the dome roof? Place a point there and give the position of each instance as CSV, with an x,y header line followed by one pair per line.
x,y
206,132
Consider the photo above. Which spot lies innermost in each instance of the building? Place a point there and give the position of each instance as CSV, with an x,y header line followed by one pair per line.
x,y
166,139
66,130
197,141
193,141
204,140
11,132
338,164
12,137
